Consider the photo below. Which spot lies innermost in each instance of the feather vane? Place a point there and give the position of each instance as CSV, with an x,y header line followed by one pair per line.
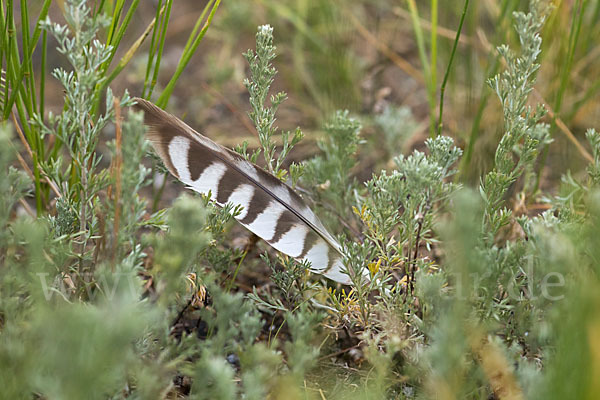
x,y
271,209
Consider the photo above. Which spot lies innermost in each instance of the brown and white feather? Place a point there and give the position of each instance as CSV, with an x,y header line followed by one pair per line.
x,y
271,209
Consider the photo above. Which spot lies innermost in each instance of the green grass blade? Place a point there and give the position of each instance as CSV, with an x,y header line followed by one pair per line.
x,y
152,49
186,56
3,50
114,22
414,15
506,8
38,30
565,75
13,53
27,66
120,33
197,25
161,45
127,57
447,74
43,73
568,63
100,7
428,69
300,24
14,72
433,64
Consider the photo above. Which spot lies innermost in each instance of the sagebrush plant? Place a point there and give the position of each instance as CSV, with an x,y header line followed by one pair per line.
x,y
467,296
79,183
262,74
523,134
397,124
23,81
334,169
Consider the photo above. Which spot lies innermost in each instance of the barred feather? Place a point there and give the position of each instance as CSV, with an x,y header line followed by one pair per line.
x,y
271,209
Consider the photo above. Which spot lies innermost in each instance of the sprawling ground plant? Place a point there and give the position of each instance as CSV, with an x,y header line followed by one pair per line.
x,y
469,293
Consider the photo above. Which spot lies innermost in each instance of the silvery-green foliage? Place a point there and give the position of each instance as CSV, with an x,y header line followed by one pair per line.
x,y
234,325
330,174
301,353
213,378
262,74
84,273
404,198
570,203
66,221
220,258
176,252
128,213
14,184
116,339
234,322
487,281
593,138
523,134
397,124
397,212
76,126
261,368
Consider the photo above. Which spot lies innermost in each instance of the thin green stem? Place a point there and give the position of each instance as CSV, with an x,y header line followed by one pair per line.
x,y
115,21
39,200
158,195
120,33
152,49
98,8
16,78
161,45
576,22
432,80
414,15
125,59
447,74
116,33
38,30
26,67
235,273
4,47
573,39
43,73
187,56
12,53
505,10
427,69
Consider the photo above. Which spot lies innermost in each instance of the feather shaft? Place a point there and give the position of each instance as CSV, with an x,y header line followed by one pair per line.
x,y
271,209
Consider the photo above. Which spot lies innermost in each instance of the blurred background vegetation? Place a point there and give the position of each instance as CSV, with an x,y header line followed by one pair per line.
x,y
364,56
84,219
